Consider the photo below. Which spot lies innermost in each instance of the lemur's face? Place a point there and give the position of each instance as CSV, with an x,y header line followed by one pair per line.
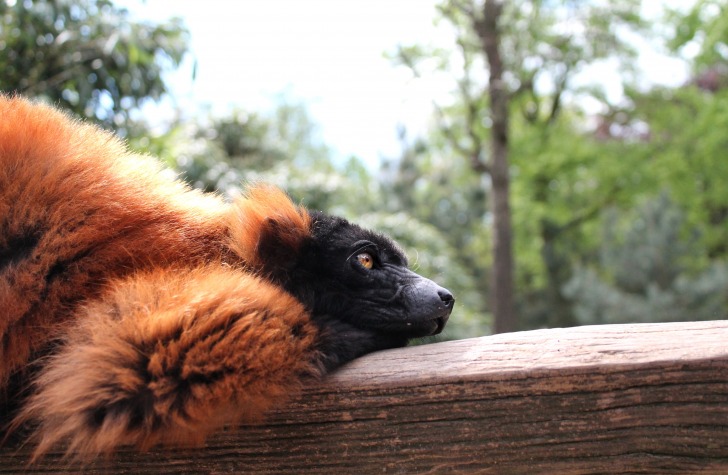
x,y
361,278
355,282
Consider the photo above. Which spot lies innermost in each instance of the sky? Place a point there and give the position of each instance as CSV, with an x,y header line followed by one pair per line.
x,y
328,54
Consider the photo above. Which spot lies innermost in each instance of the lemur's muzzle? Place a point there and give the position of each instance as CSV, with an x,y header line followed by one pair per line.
x,y
430,307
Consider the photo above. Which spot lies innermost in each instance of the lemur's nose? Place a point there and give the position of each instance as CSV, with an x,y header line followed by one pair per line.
x,y
446,298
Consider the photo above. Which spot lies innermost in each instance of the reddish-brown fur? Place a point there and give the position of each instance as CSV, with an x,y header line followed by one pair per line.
x,y
115,270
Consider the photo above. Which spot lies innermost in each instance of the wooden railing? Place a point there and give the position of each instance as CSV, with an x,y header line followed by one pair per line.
x,y
644,398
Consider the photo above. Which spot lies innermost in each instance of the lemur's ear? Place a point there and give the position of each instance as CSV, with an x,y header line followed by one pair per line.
x,y
267,229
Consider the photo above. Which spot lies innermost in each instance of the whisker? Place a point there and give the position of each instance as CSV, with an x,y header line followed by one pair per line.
x,y
416,264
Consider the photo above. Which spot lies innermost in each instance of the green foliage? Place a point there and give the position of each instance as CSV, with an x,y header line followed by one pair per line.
x,y
643,272
688,156
667,261
86,55
704,23
281,148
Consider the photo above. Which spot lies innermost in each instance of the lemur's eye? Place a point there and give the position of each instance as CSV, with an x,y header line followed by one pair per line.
x,y
365,259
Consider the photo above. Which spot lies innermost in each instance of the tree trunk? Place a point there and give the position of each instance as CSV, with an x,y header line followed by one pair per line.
x,y
502,274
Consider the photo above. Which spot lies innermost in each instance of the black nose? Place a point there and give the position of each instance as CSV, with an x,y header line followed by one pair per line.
x,y
448,301
446,298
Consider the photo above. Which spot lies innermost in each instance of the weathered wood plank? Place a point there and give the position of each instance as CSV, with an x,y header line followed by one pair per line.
x,y
648,398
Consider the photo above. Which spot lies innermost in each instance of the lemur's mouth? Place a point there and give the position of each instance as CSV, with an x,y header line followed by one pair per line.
x,y
436,326
419,329
441,321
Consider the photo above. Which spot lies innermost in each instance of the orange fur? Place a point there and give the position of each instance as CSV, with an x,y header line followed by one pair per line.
x,y
135,274
191,331
259,208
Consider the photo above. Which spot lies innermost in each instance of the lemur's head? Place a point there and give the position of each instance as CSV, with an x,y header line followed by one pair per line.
x,y
362,277
337,269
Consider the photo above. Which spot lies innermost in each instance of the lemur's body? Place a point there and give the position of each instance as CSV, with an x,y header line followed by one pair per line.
x,y
148,312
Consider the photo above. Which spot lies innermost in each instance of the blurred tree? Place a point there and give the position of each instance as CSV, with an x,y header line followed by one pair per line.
x,y
685,148
86,55
667,261
705,25
282,148
489,30
531,51
644,273
683,127
563,181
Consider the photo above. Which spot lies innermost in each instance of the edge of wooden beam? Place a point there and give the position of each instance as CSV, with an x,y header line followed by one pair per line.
x,y
512,354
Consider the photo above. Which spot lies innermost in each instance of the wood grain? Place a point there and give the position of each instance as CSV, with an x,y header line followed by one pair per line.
x,y
646,398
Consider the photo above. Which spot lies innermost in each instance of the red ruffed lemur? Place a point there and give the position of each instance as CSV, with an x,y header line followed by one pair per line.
x,y
135,310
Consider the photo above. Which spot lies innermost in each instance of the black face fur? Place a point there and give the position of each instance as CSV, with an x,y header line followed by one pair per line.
x,y
357,285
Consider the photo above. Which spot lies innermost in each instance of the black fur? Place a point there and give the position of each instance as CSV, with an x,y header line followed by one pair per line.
x,y
362,310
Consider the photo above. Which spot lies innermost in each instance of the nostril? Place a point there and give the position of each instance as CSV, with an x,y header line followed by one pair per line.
x,y
446,298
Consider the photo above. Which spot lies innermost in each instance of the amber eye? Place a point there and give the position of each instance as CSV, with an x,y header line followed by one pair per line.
x,y
365,259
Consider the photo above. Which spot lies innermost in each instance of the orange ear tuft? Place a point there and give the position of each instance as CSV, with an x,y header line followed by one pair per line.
x,y
267,229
